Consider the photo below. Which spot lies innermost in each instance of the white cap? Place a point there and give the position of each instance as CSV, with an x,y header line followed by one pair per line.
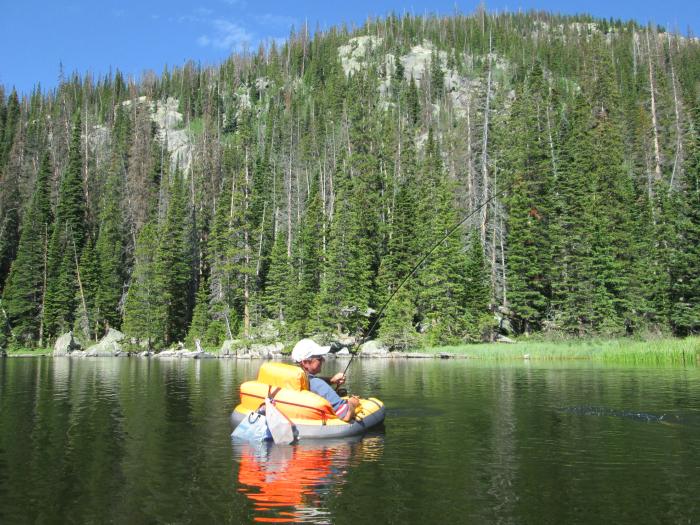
x,y
308,348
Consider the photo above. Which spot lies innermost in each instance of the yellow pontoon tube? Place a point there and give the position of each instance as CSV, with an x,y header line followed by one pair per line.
x,y
311,415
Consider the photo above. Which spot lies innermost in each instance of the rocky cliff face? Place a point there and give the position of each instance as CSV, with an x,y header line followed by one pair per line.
x,y
361,52
169,120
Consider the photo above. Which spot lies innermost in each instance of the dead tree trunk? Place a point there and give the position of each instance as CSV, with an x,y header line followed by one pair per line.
x,y
484,153
246,248
678,158
654,120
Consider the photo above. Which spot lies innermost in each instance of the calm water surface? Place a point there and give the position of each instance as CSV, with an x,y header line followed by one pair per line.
x,y
147,441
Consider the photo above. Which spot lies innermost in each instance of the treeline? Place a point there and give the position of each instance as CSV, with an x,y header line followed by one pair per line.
x,y
311,178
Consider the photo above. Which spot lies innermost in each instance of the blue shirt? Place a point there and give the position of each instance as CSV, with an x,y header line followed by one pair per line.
x,y
323,389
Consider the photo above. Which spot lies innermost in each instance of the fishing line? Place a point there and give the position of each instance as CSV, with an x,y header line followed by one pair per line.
x,y
418,264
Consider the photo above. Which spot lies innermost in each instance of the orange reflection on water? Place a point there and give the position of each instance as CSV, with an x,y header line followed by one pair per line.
x,y
287,483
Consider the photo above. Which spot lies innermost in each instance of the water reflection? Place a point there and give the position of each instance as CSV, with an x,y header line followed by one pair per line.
x,y
147,441
293,483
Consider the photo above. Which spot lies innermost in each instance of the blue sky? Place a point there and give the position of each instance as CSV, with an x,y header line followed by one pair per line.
x,y
37,36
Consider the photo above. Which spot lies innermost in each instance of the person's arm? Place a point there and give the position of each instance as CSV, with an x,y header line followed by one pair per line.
x,y
352,404
343,408
338,379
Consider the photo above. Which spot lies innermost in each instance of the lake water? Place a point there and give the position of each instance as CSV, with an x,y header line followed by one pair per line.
x,y
147,441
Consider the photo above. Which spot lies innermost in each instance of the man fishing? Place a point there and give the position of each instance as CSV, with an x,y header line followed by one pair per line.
x,y
310,356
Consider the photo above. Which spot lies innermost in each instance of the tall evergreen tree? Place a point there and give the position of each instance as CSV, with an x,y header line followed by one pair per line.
x,y
278,289
9,229
441,300
24,294
67,240
220,282
344,297
307,263
199,327
88,277
573,285
173,261
397,330
437,76
412,101
684,248
477,293
528,167
403,251
145,309
110,249
615,252
11,125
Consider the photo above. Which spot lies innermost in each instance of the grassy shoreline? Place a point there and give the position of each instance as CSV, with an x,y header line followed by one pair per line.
x,y
29,352
682,352
620,351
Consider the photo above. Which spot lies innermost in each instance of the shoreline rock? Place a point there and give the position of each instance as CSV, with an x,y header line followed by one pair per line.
x,y
193,354
111,346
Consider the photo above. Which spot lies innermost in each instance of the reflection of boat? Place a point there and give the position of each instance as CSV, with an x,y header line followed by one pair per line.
x,y
310,414
288,483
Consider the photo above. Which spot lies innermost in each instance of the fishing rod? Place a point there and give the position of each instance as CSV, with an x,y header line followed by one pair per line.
x,y
415,268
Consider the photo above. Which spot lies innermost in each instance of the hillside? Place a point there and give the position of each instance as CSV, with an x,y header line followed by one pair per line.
x,y
292,189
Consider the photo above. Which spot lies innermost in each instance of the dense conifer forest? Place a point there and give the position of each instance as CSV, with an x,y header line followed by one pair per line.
x,y
293,188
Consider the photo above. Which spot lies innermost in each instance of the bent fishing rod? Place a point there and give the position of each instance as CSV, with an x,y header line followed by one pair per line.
x,y
417,265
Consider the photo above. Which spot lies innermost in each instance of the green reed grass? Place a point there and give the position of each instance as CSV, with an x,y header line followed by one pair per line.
x,y
621,351
29,351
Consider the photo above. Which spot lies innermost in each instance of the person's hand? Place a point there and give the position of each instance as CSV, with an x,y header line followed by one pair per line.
x,y
354,401
338,379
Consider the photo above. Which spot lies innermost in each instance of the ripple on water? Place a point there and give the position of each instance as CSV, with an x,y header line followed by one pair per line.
x,y
87,440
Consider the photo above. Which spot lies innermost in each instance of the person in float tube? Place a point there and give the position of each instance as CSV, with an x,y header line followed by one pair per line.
x,y
310,356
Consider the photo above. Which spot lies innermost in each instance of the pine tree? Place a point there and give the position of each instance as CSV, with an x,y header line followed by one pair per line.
x,y
145,310
3,111
173,261
441,300
684,267
59,303
593,224
110,248
199,327
278,290
477,293
345,284
5,330
24,294
307,263
356,233
403,251
11,125
615,253
397,330
9,230
412,102
234,270
221,286
437,77
399,70
571,228
528,167
88,278
67,239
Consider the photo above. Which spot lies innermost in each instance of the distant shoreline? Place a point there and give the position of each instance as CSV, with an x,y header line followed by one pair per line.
x,y
684,352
